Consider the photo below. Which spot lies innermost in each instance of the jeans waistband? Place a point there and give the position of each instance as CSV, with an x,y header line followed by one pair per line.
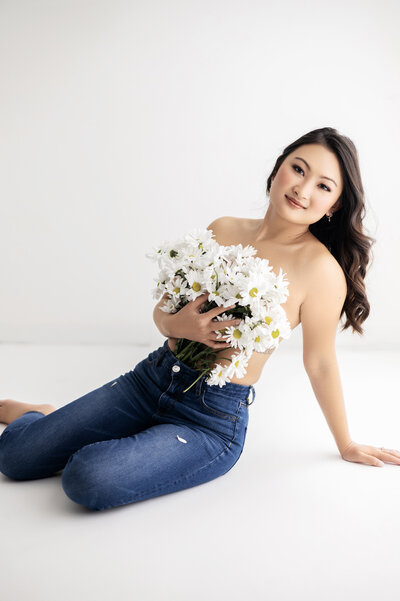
x,y
230,389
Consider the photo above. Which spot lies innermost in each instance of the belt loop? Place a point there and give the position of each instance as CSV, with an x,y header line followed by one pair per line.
x,y
254,395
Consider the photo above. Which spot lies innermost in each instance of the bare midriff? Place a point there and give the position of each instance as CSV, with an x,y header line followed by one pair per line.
x,y
292,260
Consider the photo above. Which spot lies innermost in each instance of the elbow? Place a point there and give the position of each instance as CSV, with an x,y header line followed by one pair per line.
x,y
319,364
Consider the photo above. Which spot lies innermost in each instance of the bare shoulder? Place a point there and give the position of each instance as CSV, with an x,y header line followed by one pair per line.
x,y
324,271
232,230
221,223
325,263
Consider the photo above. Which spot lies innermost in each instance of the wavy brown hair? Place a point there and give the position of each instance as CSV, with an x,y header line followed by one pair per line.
x,y
344,235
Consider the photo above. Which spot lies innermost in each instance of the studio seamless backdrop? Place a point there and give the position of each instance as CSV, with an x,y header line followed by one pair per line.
x,y
125,124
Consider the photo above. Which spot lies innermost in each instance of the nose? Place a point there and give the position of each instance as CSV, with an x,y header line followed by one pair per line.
x,y
301,192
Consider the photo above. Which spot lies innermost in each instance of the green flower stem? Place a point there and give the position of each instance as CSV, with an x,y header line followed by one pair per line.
x,y
186,353
191,358
196,380
204,372
206,351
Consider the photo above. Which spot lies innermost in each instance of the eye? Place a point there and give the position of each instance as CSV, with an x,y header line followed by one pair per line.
x,y
298,167
294,167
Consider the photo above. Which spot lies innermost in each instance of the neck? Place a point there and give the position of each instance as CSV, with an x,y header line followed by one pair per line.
x,y
280,231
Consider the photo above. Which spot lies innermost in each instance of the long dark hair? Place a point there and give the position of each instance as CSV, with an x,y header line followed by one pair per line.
x,y
344,235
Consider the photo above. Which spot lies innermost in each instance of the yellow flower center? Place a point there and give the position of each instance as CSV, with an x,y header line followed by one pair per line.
x,y
253,292
176,290
238,295
222,331
257,339
267,320
237,334
275,333
220,374
236,363
196,286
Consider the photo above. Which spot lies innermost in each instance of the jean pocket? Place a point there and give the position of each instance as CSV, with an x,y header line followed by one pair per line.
x,y
219,405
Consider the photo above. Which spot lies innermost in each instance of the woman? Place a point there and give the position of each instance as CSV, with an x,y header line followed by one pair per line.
x,y
140,436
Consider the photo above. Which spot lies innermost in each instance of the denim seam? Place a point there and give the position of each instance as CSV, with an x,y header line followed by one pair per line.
x,y
164,392
218,413
215,411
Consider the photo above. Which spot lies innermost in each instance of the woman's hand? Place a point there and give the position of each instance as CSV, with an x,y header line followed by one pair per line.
x,y
370,455
191,324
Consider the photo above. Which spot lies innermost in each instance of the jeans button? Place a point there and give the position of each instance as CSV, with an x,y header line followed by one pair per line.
x,y
176,368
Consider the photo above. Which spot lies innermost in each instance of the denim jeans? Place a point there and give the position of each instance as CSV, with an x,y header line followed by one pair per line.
x,y
136,437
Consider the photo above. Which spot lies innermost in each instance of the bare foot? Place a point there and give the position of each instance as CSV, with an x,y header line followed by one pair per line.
x,y
10,410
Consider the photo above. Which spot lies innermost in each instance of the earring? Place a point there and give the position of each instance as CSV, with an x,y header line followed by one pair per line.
x,y
329,218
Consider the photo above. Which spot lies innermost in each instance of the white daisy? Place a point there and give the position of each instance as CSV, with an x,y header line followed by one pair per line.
x,y
238,336
195,284
176,287
261,338
218,375
238,366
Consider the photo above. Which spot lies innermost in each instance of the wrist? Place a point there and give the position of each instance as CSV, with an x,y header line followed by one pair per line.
x,y
344,447
168,325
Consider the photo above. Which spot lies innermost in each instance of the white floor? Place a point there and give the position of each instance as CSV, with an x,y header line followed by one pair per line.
x,y
291,521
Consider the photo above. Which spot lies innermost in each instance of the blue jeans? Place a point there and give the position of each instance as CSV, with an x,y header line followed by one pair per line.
x,y
136,437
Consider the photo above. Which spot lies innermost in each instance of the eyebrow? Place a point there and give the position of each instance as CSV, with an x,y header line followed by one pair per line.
x,y
322,176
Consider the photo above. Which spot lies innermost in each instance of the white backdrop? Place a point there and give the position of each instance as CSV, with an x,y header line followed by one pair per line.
x,y
126,123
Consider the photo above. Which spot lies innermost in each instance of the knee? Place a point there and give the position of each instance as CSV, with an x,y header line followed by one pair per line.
x,y
10,470
15,465
81,479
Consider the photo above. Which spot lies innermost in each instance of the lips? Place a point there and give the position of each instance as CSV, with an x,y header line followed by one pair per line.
x,y
294,201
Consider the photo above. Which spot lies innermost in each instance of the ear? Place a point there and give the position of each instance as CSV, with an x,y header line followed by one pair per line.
x,y
335,207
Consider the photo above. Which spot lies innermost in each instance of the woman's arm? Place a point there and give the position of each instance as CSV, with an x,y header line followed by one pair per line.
x,y
319,315
328,391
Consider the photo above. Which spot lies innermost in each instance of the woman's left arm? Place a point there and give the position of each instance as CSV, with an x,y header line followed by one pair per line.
x,y
319,316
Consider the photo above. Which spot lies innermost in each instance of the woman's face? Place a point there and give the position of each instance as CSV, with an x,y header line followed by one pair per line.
x,y
303,176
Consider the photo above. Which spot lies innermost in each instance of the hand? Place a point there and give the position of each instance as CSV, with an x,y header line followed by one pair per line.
x,y
370,455
189,323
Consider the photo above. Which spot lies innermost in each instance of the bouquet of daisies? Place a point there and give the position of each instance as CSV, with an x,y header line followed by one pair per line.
x,y
196,264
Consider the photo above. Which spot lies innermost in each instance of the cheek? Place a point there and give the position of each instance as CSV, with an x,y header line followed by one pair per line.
x,y
283,178
320,204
